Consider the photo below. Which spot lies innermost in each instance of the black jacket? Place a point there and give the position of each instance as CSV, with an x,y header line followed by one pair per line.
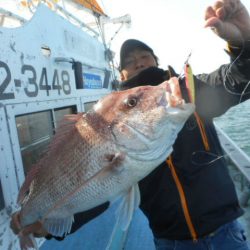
x,y
203,175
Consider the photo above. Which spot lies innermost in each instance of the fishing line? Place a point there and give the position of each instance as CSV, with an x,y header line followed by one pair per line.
x,y
229,70
243,92
202,152
182,71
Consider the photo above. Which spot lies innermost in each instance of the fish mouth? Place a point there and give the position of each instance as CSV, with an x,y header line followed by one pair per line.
x,y
171,100
170,96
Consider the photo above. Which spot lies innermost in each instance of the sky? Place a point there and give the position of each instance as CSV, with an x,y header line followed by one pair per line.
x,y
172,28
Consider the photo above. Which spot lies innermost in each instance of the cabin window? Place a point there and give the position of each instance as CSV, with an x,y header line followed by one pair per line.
x,y
1,198
35,131
88,105
61,112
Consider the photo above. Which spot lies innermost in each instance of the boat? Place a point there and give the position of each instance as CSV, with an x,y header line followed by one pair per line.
x,y
55,60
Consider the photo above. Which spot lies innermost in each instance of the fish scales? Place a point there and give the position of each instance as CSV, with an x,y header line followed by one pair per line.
x,y
63,179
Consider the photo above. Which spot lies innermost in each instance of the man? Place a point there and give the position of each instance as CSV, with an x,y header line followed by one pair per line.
x,y
190,200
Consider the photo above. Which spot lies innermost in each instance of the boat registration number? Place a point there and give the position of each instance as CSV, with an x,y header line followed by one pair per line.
x,y
32,83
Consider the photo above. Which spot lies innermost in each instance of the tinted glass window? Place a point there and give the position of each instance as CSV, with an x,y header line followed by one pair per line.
x,y
35,132
61,112
88,105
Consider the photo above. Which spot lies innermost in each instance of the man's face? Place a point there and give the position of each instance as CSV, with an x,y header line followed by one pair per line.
x,y
135,62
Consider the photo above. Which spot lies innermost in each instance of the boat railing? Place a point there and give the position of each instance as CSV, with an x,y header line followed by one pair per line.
x,y
7,13
239,158
239,168
77,20
61,10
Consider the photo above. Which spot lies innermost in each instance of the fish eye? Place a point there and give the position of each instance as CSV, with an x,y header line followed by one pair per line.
x,y
131,102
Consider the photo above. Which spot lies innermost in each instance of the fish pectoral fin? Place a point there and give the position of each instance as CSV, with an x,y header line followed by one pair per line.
x,y
58,226
114,167
129,202
115,161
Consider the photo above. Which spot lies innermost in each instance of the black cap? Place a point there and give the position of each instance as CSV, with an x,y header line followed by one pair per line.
x,y
130,45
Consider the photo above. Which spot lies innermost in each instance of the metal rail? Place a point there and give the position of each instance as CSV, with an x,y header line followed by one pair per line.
x,y
239,158
13,15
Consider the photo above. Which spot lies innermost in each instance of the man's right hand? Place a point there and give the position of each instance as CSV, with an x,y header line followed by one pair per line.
x,y
36,228
230,20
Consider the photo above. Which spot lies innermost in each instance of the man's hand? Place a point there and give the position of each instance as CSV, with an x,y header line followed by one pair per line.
x,y
36,228
230,20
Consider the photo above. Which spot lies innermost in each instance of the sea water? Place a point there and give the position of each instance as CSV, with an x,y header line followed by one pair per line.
x,y
236,123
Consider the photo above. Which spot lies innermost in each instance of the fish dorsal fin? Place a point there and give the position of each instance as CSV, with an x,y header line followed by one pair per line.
x,y
25,188
129,203
58,226
64,131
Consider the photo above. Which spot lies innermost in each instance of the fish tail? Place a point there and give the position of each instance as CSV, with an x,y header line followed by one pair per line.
x,y
27,242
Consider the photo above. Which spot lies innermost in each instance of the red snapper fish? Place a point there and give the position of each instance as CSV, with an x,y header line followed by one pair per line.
x,y
100,155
